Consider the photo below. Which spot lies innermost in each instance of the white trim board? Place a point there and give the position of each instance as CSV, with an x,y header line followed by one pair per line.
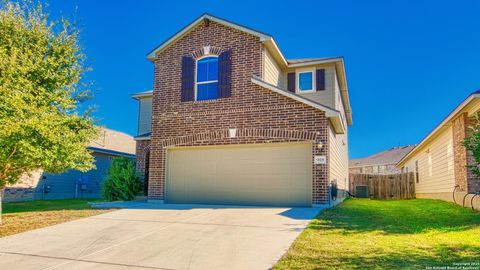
x,y
333,115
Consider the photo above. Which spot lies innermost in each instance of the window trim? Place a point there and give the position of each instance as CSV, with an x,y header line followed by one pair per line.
x,y
205,82
297,83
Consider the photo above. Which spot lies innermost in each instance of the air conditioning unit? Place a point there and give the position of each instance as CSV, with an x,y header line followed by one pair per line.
x,y
361,192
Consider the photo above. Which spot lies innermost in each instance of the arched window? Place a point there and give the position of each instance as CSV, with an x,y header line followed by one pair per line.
x,y
206,84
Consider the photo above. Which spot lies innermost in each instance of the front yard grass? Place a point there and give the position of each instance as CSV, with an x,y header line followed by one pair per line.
x,y
24,216
373,234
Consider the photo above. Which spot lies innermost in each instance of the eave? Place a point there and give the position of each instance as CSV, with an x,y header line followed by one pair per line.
x,y
140,95
333,115
262,36
272,47
341,74
143,137
445,122
110,152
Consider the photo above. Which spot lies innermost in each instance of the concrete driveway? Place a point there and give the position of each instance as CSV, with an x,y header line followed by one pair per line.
x,y
153,236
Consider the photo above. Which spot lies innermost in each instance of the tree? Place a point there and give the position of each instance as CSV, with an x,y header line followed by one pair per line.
x,y
472,143
122,181
41,93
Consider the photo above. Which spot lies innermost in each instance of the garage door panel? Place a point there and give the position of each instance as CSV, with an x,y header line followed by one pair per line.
x,y
267,174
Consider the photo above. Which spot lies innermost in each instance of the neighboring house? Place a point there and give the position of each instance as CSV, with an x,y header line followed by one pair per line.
x,y
73,183
234,122
440,160
380,163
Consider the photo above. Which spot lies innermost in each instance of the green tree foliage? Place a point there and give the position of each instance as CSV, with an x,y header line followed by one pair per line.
x,y
472,143
122,182
41,67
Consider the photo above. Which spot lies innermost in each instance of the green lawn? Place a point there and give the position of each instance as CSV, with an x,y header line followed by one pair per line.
x,y
24,216
373,234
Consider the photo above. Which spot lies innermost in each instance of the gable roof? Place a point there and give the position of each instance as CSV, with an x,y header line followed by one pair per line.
x,y
273,48
475,96
112,141
333,115
264,37
390,156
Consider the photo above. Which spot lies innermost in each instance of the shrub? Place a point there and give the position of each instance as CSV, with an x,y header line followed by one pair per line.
x,y
122,181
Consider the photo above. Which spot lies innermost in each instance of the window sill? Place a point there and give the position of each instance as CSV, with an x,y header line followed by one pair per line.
x,y
305,92
207,100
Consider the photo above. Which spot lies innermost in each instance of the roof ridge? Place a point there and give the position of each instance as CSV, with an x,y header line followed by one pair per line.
x,y
216,19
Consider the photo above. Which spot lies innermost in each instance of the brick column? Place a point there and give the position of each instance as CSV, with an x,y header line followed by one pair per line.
x,y
320,171
473,182
156,183
459,130
141,152
467,181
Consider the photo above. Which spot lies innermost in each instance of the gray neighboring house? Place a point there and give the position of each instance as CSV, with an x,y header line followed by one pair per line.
x,y
73,183
380,163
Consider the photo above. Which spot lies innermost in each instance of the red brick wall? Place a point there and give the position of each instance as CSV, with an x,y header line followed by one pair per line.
x,y
142,148
260,115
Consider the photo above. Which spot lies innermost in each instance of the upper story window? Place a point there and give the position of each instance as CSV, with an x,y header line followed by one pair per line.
x,y
305,81
206,84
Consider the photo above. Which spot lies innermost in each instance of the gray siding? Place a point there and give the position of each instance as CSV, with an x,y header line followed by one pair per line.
x,y
145,116
64,185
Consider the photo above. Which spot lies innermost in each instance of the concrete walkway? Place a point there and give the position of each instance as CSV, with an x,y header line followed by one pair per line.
x,y
156,236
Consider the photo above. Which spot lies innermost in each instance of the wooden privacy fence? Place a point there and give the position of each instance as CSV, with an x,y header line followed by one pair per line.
x,y
395,186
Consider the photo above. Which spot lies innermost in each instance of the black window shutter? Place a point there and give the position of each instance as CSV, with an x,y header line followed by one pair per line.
x,y
320,79
291,82
188,75
225,74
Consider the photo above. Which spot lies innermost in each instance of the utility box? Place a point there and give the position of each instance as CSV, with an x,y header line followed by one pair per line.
x,y
361,192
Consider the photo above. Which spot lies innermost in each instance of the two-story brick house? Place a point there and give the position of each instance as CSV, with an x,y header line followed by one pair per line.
x,y
232,121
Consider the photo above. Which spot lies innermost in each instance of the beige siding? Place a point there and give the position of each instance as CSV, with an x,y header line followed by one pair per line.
x,y
145,116
338,101
435,164
338,159
326,97
272,72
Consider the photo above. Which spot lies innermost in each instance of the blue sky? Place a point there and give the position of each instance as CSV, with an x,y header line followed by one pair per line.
x,y
409,63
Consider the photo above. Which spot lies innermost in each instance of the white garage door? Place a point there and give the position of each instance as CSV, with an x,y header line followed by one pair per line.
x,y
262,174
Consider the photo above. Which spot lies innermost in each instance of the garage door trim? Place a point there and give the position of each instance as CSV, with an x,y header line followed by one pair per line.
x,y
307,186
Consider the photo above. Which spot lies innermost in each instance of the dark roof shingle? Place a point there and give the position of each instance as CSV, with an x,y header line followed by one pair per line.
x,y
390,156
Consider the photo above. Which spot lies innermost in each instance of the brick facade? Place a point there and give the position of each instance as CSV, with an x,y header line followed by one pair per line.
x,y
258,114
459,129
464,178
142,150
143,159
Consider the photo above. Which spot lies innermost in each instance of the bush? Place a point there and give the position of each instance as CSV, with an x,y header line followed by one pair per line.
x,y
122,181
